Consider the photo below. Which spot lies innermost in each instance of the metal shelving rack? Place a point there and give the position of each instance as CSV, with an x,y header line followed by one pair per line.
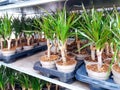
x,y
21,4
25,65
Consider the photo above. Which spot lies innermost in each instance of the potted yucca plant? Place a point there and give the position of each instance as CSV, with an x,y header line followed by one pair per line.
x,y
115,29
95,28
80,41
48,61
29,37
1,33
41,37
17,32
110,44
6,35
1,38
3,78
63,22
28,32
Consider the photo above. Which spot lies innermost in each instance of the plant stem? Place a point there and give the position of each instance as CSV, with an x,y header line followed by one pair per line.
x,y
99,57
9,43
49,47
107,48
48,86
28,41
63,50
118,58
63,54
32,40
16,43
78,42
78,46
12,87
92,52
56,46
111,48
56,88
20,41
1,44
40,36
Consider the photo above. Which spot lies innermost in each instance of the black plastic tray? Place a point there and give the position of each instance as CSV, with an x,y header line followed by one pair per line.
x,y
54,73
109,84
13,58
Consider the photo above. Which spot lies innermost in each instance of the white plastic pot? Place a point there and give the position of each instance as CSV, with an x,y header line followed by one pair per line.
x,y
107,60
48,64
116,76
42,43
66,68
18,49
89,62
8,53
97,75
0,52
27,47
80,56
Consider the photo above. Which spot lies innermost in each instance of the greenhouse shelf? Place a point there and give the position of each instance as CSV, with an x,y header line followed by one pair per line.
x,y
27,3
22,53
54,73
25,65
95,84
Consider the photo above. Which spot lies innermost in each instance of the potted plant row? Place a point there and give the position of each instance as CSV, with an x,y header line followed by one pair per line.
x,y
6,32
57,28
101,32
16,35
60,25
14,80
101,29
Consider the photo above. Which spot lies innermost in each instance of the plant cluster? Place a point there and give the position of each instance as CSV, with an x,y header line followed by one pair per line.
x,y
10,78
57,29
99,28
17,29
